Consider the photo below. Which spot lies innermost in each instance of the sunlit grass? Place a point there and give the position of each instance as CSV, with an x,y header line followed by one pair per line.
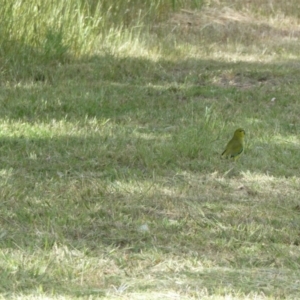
x,y
112,122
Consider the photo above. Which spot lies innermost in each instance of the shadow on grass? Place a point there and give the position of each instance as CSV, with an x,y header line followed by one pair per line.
x,y
87,191
213,281
111,87
34,280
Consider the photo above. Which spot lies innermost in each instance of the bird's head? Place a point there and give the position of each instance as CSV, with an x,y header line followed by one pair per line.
x,y
240,133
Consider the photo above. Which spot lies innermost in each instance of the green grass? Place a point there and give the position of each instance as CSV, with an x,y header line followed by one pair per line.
x,y
111,181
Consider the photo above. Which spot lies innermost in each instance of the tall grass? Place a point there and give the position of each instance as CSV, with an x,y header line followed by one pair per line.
x,y
35,33
33,30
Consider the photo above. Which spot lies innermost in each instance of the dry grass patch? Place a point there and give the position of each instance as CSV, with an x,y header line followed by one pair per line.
x,y
245,34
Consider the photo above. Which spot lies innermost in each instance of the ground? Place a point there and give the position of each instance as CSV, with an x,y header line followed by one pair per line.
x,y
112,184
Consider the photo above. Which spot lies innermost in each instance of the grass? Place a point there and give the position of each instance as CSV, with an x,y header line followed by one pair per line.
x,y
111,180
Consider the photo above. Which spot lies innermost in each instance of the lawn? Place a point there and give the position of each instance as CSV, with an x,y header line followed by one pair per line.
x,y
112,184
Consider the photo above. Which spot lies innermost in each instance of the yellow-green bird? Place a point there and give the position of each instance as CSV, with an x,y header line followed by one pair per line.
x,y
236,145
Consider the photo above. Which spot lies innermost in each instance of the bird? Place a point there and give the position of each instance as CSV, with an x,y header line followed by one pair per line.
x,y
235,146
